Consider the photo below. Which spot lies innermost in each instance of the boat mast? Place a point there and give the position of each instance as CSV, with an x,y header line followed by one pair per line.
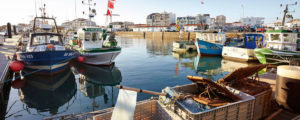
x,y
92,12
286,11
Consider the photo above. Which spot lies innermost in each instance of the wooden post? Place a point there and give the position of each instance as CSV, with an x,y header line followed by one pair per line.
x,y
162,36
144,34
189,36
142,91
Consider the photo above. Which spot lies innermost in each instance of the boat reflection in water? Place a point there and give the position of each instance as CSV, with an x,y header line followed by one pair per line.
x,y
49,93
184,59
209,67
98,81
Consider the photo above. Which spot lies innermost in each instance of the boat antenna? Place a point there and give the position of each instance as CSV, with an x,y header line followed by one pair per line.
x,y
43,10
286,11
92,12
35,8
75,9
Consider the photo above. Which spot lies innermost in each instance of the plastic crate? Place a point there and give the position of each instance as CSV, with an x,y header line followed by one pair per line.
x,y
262,105
240,110
145,110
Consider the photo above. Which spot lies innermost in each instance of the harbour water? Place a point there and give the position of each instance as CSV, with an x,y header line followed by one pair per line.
x,y
146,64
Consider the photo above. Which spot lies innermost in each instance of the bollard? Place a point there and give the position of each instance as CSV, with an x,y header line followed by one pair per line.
x,y
9,30
15,30
189,36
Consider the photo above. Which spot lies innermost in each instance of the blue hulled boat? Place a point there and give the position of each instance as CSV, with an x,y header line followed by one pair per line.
x,y
210,43
45,51
207,48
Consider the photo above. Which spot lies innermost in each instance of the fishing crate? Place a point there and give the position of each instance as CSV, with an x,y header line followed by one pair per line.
x,y
240,110
262,105
246,79
145,110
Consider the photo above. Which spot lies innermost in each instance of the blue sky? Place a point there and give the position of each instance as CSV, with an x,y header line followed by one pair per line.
x,y
16,11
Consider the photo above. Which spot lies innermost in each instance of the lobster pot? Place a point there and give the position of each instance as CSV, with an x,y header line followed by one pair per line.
x,y
288,87
145,110
240,110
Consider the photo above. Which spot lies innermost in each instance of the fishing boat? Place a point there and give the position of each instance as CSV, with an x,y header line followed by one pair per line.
x,y
94,48
246,51
183,46
210,43
92,44
281,47
45,52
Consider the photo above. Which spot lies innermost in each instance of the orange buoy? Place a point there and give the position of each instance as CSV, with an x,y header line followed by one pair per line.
x,y
50,46
18,83
16,66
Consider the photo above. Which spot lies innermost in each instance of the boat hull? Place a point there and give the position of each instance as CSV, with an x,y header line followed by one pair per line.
x,y
207,48
238,54
276,57
45,62
100,58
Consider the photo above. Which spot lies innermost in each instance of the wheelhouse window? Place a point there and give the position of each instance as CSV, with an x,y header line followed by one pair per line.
x,y
249,39
81,36
46,39
275,37
286,38
87,36
95,36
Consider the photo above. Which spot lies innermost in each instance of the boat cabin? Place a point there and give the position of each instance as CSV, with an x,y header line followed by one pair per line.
x,y
90,38
212,37
281,40
45,41
252,41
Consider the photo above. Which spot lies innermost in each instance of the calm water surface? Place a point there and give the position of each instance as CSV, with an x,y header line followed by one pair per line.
x,y
147,64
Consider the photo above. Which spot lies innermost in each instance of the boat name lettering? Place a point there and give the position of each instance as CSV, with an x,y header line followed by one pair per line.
x,y
69,54
202,46
26,56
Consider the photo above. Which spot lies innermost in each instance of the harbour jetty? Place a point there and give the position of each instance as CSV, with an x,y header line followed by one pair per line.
x,y
6,52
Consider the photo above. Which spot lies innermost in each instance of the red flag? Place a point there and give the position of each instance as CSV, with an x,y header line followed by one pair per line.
x,y
110,4
108,13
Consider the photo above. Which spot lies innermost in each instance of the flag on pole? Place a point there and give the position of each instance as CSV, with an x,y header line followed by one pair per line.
x,y
110,4
108,13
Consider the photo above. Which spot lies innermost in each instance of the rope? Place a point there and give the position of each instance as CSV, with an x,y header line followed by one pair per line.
x,y
8,80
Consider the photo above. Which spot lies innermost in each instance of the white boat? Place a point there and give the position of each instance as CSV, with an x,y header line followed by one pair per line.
x,y
94,48
246,52
238,54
